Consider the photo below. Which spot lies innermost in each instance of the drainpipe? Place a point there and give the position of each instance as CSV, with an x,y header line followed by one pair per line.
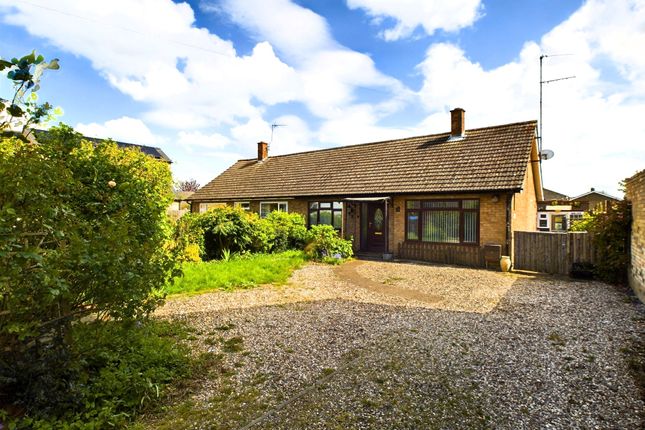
x,y
509,202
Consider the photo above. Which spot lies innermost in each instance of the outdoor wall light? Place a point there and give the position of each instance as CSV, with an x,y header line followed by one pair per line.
x,y
495,198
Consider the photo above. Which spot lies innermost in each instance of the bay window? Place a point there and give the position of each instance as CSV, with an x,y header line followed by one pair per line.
x,y
443,221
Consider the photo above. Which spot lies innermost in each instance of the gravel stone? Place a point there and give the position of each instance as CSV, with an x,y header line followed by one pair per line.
x,y
372,345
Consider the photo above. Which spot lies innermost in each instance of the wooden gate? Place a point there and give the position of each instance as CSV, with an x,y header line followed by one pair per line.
x,y
551,252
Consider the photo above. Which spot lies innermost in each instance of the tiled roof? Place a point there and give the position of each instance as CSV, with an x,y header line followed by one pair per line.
x,y
149,150
487,159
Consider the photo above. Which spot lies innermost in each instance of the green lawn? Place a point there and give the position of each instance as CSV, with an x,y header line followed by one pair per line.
x,y
238,272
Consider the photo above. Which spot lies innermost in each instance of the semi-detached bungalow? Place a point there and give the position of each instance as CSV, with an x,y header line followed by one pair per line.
x,y
449,198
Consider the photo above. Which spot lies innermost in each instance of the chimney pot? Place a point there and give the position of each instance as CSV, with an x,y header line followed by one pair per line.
x,y
263,151
457,122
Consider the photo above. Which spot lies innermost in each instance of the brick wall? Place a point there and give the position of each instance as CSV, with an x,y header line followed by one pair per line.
x,y
635,192
525,205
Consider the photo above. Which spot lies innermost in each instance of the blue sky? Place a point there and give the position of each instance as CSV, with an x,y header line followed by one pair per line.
x,y
204,80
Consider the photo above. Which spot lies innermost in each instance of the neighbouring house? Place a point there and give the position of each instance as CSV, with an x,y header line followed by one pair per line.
x,y
557,211
180,204
440,197
149,150
635,193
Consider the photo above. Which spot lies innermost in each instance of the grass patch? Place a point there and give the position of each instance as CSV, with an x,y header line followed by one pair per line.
x,y
236,273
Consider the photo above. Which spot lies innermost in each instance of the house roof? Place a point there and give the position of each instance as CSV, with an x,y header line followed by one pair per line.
x,y
553,195
149,150
602,194
486,159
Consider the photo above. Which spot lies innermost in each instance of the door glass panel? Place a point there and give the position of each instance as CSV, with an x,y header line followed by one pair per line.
x,y
378,219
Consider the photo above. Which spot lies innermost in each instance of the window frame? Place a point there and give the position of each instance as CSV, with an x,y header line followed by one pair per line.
x,y
241,203
332,209
461,211
274,202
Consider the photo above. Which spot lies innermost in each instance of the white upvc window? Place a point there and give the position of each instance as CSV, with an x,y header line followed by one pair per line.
x,y
543,220
267,207
242,205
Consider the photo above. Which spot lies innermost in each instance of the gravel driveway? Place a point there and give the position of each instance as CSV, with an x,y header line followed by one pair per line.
x,y
375,345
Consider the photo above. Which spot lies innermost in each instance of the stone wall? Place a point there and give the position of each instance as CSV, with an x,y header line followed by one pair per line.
x,y
635,192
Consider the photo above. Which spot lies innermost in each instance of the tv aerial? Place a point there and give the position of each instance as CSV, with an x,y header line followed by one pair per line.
x,y
542,82
273,127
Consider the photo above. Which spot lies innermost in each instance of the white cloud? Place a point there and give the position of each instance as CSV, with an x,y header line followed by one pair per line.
x,y
328,72
431,15
124,129
192,139
591,122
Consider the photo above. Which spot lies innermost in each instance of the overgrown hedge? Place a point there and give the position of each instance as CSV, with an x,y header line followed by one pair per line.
x,y
221,232
83,235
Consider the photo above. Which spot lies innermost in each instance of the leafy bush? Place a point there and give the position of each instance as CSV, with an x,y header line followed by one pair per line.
x,y
119,368
188,238
324,243
610,232
83,231
263,234
225,228
290,230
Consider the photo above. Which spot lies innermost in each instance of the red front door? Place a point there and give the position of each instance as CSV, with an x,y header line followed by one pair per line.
x,y
375,227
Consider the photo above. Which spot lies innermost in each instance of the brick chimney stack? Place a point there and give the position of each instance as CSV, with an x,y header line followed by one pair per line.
x,y
263,151
457,122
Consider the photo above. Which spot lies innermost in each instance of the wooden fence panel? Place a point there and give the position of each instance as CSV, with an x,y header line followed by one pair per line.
x,y
551,252
442,253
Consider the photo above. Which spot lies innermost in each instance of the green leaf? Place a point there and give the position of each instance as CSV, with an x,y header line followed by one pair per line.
x,y
4,64
15,110
53,64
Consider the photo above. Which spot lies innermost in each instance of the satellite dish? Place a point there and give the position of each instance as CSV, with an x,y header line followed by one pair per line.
x,y
546,154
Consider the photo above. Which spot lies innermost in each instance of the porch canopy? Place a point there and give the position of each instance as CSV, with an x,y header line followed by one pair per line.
x,y
366,199
385,199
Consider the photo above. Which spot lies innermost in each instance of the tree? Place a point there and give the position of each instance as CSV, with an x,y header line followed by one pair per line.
x,y
22,110
187,185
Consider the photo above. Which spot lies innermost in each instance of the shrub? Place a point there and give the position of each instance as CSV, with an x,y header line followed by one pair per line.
x,y
83,231
610,232
188,238
263,234
290,230
323,243
120,367
225,228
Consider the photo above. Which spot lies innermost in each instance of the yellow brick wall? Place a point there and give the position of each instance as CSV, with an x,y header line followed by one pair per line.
x,y
635,192
525,205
